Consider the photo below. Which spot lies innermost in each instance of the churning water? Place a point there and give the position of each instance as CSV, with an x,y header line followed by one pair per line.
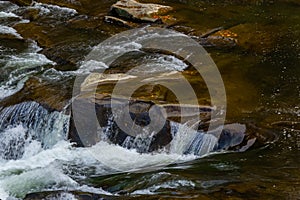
x,y
35,155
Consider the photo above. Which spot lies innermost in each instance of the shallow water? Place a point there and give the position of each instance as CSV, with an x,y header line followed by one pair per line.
x,y
261,76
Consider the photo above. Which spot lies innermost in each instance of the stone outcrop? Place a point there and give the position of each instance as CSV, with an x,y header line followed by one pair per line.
x,y
133,10
237,137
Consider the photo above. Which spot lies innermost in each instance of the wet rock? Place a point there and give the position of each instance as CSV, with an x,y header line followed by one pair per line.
x,y
61,195
65,195
96,95
35,32
64,44
22,2
136,11
147,98
52,96
13,45
31,14
237,137
66,55
233,137
217,37
223,38
263,136
139,113
118,21
240,137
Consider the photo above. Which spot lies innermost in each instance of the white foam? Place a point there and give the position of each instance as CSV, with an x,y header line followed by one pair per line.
x,y
108,52
116,46
46,9
3,193
12,141
93,190
7,89
182,138
64,196
53,74
110,158
167,185
27,60
47,169
90,66
20,67
33,148
19,185
8,15
165,63
8,6
24,21
9,31
32,171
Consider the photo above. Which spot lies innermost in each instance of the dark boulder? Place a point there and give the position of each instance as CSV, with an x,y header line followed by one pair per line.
x,y
105,126
232,137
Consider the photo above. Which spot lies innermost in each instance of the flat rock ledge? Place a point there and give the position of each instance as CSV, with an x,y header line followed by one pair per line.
x,y
135,11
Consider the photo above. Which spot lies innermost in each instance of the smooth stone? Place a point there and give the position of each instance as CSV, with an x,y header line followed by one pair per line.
x,y
134,10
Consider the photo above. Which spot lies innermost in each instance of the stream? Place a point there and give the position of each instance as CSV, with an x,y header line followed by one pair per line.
x,y
44,43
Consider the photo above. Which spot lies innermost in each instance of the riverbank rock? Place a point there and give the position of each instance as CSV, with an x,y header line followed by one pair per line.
x,y
135,11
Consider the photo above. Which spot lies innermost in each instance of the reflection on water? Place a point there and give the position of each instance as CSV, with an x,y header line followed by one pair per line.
x,y
261,76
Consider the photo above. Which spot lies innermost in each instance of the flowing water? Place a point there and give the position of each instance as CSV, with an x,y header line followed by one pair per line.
x,y
42,46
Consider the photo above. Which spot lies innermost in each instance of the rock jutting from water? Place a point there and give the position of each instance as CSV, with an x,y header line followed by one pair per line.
x,y
134,10
144,108
237,137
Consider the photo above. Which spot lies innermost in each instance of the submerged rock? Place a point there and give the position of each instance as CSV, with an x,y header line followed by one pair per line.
x,y
217,37
223,38
136,11
257,38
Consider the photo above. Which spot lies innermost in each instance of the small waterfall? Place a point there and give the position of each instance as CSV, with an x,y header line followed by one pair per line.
x,y
189,141
12,143
185,140
140,143
23,123
202,144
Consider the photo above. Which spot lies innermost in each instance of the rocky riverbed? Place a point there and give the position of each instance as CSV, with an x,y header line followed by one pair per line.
x,y
43,45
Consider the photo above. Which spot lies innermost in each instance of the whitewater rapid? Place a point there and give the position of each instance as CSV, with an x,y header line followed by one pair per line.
x,y
35,154
52,169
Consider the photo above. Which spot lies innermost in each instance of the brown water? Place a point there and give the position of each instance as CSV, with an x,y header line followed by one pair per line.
x,y
261,77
